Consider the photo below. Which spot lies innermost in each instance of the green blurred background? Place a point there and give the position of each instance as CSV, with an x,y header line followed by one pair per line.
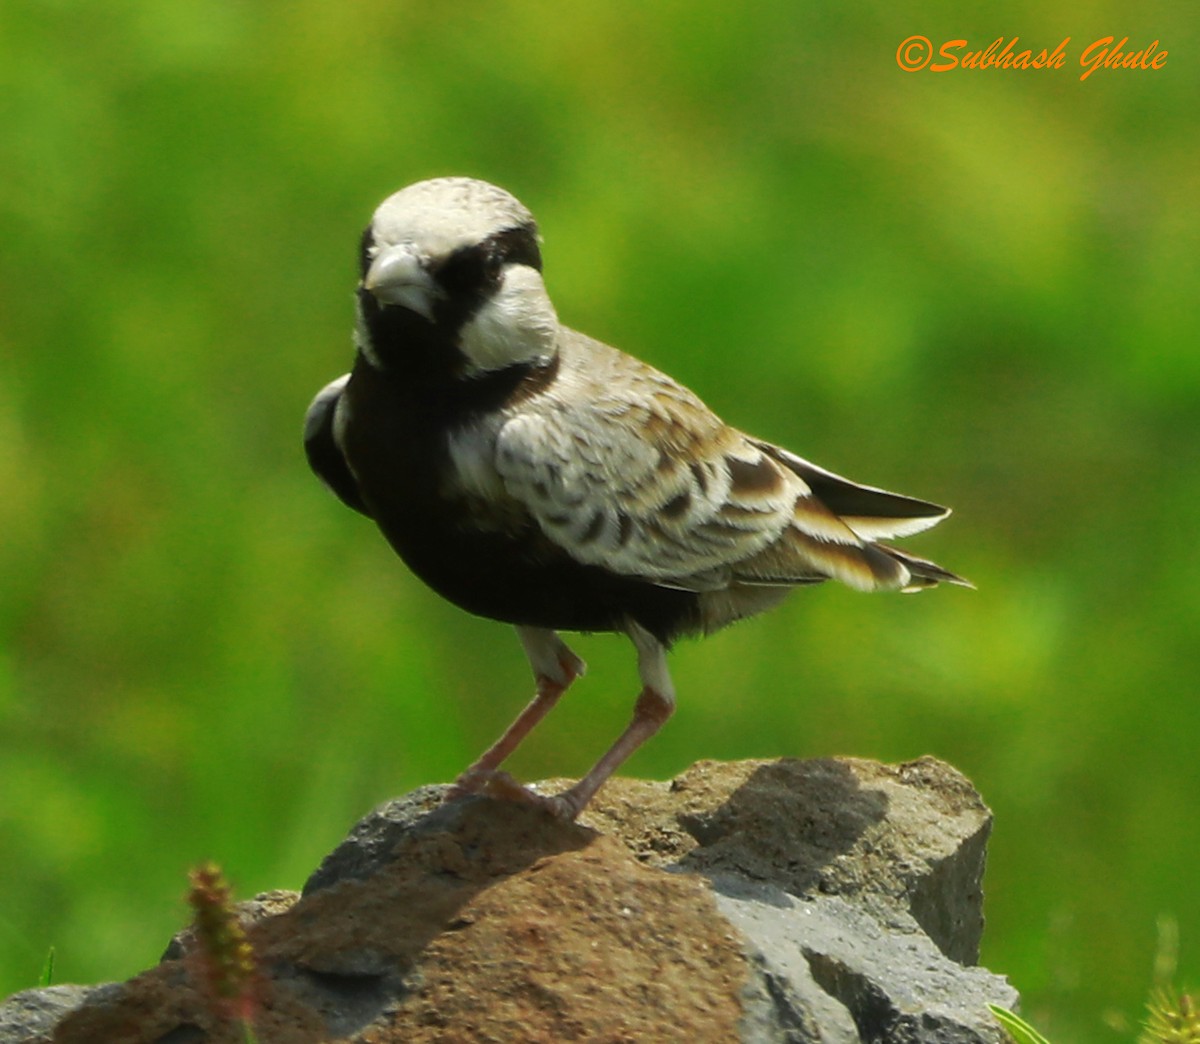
x,y
977,287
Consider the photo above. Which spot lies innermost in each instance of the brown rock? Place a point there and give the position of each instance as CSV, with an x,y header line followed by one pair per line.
x,y
832,900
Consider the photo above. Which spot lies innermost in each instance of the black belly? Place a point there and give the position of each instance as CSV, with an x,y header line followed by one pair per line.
x,y
508,579
494,564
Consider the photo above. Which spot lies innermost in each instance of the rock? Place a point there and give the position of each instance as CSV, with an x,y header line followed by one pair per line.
x,y
833,900
251,911
33,1014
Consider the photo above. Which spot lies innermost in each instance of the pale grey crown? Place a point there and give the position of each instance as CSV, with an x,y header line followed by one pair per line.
x,y
444,213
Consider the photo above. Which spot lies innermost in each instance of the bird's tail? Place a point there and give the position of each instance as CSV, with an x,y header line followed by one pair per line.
x,y
923,573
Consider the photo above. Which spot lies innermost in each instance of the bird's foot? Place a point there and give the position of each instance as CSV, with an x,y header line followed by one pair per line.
x,y
473,781
503,786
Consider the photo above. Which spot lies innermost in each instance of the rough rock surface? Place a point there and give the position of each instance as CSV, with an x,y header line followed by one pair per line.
x,y
826,901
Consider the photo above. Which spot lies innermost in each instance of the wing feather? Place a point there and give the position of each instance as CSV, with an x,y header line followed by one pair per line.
x,y
874,514
639,477
322,449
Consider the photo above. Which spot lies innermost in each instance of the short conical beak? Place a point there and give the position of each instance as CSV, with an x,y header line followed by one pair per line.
x,y
397,277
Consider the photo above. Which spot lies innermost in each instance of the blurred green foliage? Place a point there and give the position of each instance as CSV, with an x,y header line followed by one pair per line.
x,y
978,287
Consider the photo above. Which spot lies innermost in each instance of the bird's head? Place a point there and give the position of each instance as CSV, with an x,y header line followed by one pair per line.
x,y
452,283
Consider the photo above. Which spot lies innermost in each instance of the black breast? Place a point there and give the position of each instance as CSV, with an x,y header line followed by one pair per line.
x,y
490,560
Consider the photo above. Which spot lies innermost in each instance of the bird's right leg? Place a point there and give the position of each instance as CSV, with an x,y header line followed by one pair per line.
x,y
555,667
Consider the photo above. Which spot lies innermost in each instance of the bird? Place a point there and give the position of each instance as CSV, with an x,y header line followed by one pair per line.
x,y
533,475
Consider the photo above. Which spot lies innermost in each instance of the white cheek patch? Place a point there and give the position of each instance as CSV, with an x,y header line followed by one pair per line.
x,y
517,324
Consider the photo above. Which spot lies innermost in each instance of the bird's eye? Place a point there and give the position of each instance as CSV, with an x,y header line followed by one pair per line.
x,y
471,270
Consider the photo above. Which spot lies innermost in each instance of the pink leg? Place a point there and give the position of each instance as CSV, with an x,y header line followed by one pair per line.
x,y
654,706
555,667
650,712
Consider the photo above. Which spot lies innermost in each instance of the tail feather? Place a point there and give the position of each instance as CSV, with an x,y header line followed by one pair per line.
x,y
923,573
872,514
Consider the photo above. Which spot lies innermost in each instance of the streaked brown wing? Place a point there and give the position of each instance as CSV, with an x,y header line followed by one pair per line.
x,y
635,474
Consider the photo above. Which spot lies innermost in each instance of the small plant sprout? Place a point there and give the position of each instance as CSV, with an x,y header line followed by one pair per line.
x,y
223,955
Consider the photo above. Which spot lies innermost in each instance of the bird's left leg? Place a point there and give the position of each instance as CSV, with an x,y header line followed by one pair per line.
x,y
655,704
555,667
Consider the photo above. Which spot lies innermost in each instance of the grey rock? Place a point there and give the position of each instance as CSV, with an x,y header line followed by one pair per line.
x,y
373,839
909,838
857,886
834,901
833,966
249,911
31,1015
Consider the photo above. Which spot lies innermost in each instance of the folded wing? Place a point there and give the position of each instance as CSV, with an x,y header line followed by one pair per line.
x,y
653,485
